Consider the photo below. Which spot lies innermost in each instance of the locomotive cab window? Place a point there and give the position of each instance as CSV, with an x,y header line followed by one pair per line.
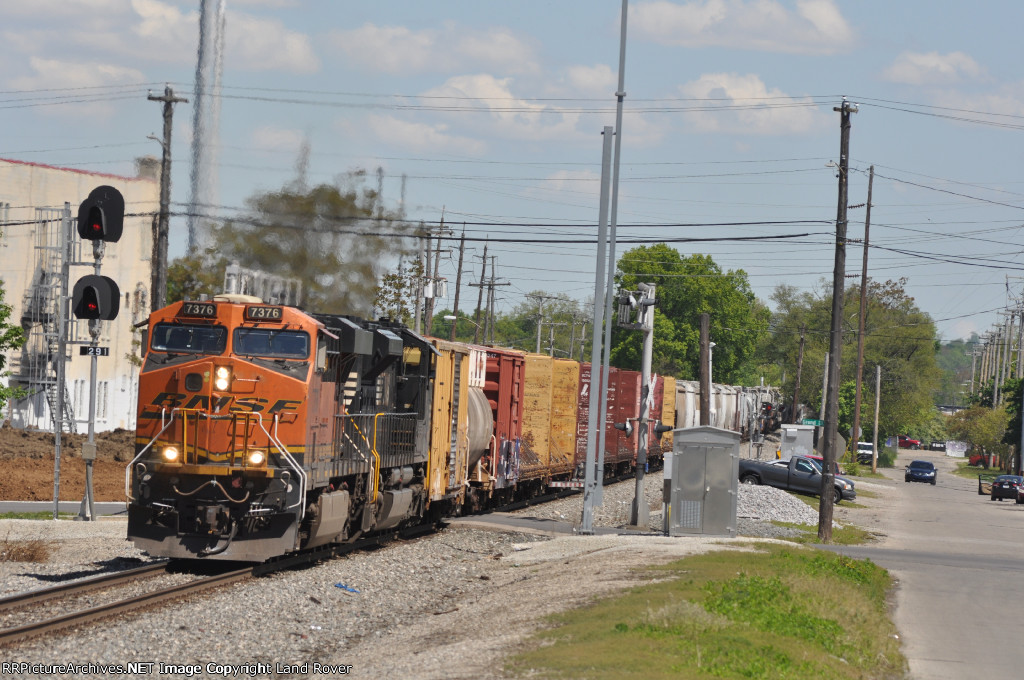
x,y
269,342
188,339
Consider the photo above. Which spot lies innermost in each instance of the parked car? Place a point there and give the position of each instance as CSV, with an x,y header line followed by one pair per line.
x,y
799,473
906,442
937,446
865,452
1007,486
920,471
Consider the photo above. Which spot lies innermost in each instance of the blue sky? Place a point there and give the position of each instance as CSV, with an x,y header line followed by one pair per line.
x,y
493,112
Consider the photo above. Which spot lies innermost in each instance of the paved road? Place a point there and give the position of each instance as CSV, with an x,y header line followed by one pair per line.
x,y
959,560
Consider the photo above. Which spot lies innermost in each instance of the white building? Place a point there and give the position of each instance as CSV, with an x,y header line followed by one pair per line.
x,y
32,204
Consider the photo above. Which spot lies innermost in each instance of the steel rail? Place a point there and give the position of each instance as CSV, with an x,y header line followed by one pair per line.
x,y
79,587
10,635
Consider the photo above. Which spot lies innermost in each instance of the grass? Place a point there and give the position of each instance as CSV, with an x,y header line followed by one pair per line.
x,y
844,535
968,472
47,514
780,612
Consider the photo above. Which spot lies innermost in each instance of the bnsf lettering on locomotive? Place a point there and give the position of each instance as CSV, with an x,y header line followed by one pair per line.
x,y
199,309
250,405
199,401
263,313
284,405
168,399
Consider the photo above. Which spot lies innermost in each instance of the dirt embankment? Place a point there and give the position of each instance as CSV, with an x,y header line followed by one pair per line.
x,y
27,460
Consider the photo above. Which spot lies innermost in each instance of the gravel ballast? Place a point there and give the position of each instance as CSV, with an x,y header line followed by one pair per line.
x,y
450,605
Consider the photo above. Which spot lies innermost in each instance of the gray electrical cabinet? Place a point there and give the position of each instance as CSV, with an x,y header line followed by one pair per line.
x,y
796,440
701,482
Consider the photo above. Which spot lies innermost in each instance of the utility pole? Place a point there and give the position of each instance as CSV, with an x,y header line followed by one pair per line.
x,y
480,299
419,289
974,363
878,403
863,313
705,369
540,314
996,366
824,390
489,328
158,281
435,280
458,284
799,370
836,338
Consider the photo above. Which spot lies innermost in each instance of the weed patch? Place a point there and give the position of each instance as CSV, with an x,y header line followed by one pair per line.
x,y
35,550
776,613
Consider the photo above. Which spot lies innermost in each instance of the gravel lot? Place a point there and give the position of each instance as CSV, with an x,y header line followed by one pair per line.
x,y
448,606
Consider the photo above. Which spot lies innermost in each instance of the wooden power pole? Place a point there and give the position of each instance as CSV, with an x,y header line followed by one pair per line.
x,y
158,282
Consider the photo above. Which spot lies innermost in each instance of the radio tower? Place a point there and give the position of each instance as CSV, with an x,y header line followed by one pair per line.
x,y
206,118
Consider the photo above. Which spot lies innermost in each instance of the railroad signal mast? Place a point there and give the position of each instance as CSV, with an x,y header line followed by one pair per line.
x,y
96,298
636,312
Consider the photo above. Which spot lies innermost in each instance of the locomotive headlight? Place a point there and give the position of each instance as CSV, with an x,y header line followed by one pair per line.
x,y
222,378
170,453
257,457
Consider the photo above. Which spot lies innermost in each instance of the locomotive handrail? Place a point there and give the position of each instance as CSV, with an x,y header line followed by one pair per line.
x,y
376,457
291,461
128,468
259,419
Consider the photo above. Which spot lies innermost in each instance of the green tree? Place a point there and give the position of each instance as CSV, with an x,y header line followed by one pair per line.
x,y
984,428
899,337
688,286
335,238
194,275
11,337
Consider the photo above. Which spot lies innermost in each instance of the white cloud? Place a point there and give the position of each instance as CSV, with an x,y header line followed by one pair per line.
x,y
506,115
585,182
421,136
1006,100
596,80
812,27
53,73
272,138
158,31
932,68
56,74
398,49
256,44
762,111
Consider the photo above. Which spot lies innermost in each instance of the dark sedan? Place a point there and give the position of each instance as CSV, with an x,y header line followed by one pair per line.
x,y
920,471
1007,486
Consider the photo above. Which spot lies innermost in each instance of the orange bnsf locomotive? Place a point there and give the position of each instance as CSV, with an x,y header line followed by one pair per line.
x,y
264,430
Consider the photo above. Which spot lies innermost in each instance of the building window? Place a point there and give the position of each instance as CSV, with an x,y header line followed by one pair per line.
x,y
5,217
80,398
102,393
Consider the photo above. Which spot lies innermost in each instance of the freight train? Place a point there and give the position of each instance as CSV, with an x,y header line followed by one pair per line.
x,y
264,430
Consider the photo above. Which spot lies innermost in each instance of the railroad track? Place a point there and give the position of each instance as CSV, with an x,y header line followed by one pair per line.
x,y
36,597
75,618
